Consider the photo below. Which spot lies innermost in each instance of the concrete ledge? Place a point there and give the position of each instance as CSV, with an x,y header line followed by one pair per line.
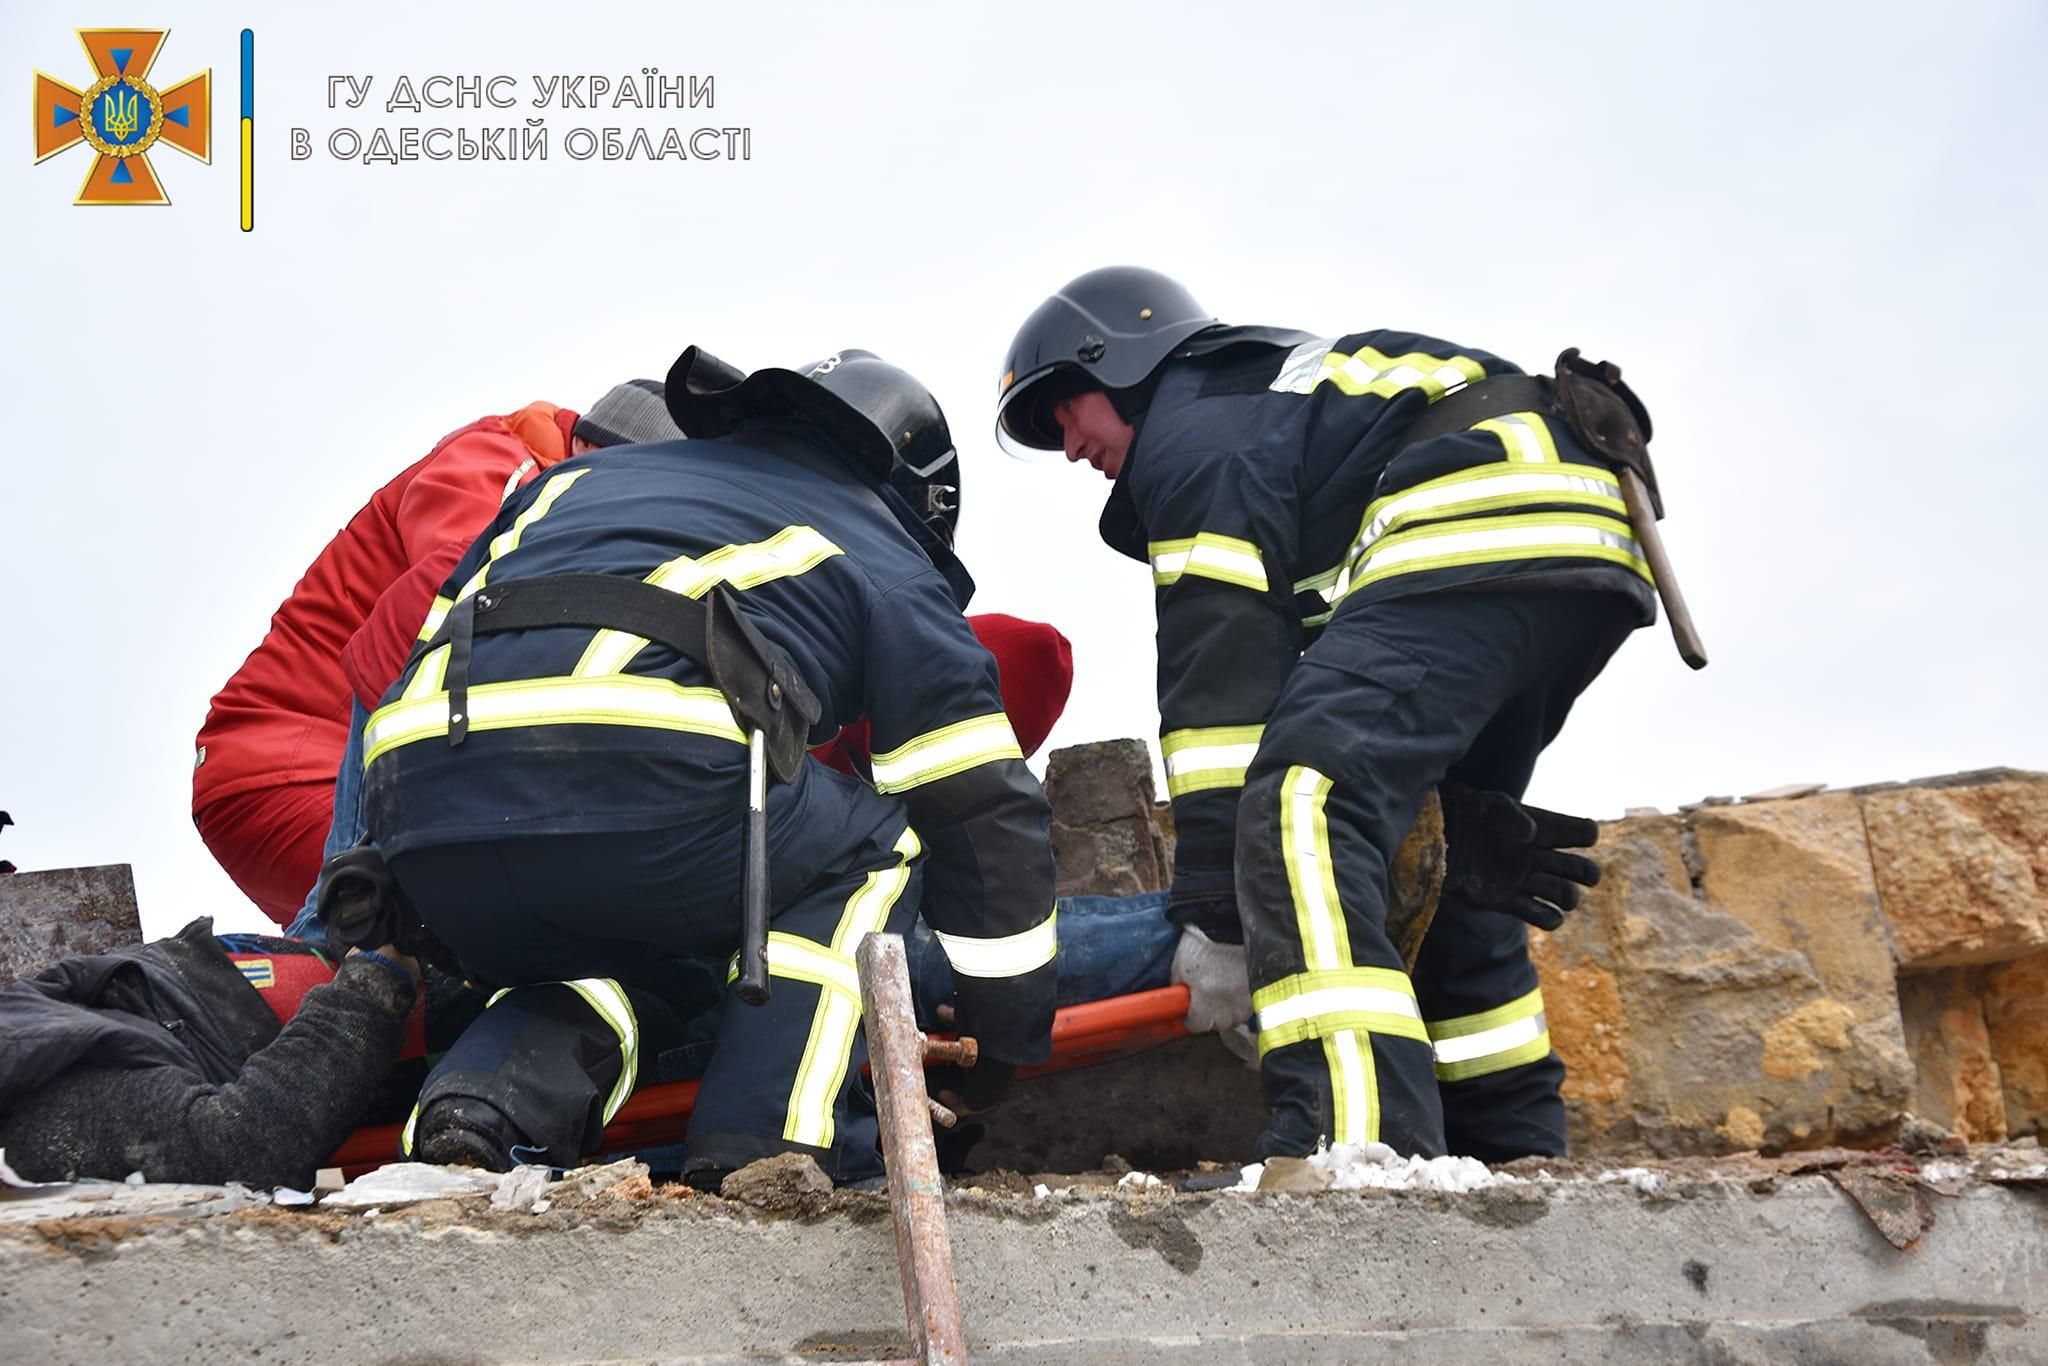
x,y
1749,1265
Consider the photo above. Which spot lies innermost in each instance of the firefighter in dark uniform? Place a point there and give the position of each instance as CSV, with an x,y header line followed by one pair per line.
x,y
1346,617
563,805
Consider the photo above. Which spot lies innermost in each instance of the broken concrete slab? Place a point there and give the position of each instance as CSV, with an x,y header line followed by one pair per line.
x,y
46,915
1696,1262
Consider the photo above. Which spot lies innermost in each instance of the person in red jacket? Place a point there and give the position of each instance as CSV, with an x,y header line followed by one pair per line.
x,y
264,774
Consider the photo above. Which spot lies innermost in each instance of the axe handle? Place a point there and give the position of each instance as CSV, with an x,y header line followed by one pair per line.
x,y
1691,648
753,986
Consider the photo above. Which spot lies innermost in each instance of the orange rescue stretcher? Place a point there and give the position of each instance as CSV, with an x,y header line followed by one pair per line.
x,y
1082,1036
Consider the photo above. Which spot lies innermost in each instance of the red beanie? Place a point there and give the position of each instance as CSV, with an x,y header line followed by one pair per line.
x,y
1035,665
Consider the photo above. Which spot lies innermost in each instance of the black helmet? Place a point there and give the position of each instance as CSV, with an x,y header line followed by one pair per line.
x,y
880,415
1108,329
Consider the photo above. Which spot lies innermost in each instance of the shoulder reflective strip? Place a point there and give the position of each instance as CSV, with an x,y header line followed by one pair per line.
x,y
1210,555
792,551
1526,436
946,751
609,1000
1303,367
436,615
1013,955
512,479
1210,757
828,1049
619,700
1354,1087
1368,371
1305,848
507,541
1489,488
1489,540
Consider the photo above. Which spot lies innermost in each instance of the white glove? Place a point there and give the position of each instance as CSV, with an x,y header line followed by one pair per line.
x,y
1219,986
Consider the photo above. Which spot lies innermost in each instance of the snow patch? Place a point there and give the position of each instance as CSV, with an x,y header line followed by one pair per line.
x,y
1375,1166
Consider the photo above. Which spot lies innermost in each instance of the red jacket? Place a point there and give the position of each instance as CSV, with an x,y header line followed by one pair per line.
x,y
283,717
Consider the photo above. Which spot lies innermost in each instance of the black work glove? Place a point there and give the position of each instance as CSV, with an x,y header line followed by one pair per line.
x,y
1506,857
1206,898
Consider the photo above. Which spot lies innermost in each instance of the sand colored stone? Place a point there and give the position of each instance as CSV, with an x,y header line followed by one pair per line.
x,y
1962,869
1957,1078
2016,1017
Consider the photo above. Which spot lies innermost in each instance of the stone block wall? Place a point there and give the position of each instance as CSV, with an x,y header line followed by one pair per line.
x,y
1778,972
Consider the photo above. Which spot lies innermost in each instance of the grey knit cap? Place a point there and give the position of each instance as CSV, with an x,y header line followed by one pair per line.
x,y
632,412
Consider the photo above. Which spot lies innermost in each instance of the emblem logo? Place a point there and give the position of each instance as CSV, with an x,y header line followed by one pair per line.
x,y
121,116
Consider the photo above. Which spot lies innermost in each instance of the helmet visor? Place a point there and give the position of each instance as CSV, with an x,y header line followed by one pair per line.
x,y
1026,427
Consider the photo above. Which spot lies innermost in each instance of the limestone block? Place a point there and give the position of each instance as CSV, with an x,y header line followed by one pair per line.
x,y
46,915
1962,870
1700,1018
2016,1015
1958,1084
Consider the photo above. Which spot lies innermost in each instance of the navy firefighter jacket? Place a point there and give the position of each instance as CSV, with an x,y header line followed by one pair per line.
x,y
1266,485
572,730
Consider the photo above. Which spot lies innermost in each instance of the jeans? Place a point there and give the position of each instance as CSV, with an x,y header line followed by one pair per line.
x,y
1109,946
347,828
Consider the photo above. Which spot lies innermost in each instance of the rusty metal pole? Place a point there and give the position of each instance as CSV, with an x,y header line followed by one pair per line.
x,y
917,1197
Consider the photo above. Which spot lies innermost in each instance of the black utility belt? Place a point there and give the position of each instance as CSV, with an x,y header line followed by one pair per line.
x,y
1602,412
763,687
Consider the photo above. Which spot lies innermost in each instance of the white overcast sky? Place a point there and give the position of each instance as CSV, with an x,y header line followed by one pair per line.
x,y
1812,234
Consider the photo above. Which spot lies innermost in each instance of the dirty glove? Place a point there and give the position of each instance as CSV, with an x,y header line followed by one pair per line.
x,y
1219,990
1504,856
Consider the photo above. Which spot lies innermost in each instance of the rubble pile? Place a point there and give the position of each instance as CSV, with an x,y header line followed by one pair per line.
x,y
1786,971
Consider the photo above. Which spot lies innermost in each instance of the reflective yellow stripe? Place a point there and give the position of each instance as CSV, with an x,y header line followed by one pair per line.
x,y
1354,1087
1012,955
1490,488
1305,848
822,1072
619,700
1328,586
428,679
1209,555
801,960
436,614
1491,540
1208,757
507,541
1318,1004
789,552
946,751
612,1005
1512,1035
1370,371
1526,436
609,1000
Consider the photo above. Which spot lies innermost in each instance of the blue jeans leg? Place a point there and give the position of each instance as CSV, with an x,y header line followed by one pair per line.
x,y
1109,946
347,828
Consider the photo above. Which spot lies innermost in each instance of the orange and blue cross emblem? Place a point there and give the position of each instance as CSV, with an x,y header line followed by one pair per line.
x,y
121,116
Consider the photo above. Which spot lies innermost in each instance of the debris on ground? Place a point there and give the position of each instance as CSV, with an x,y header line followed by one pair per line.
x,y
782,1184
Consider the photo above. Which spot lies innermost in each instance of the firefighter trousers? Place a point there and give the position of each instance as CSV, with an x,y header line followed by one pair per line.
x,y
1394,697
587,938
